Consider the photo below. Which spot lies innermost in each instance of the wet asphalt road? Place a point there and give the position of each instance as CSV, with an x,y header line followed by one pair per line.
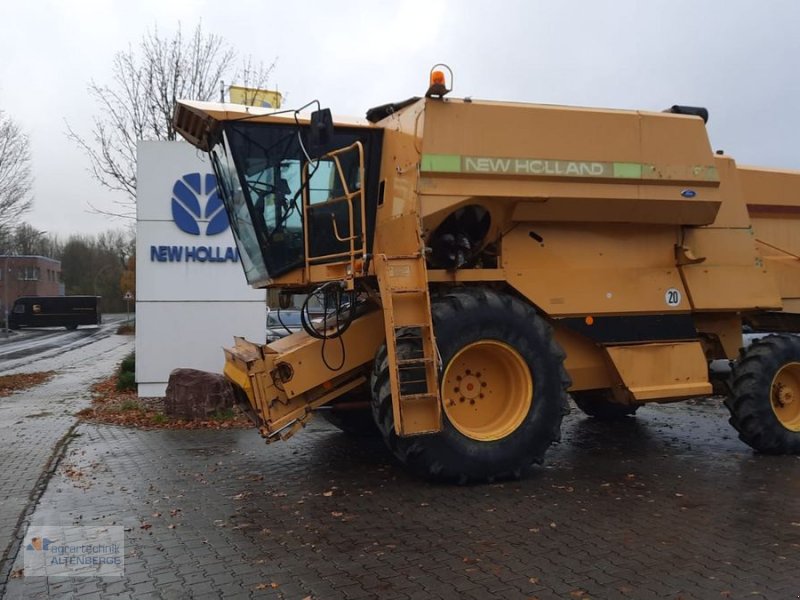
x,y
669,504
22,348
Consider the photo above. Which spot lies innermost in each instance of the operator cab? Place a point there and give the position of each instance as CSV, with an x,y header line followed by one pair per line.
x,y
296,192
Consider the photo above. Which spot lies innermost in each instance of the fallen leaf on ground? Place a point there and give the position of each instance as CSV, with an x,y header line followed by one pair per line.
x,y
22,381
125,408
264,586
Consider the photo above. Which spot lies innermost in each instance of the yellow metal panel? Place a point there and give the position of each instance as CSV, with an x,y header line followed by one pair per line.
x,y
599,291
731,287
725,327
662,371
786,271
732,247
594,269
586,362
771,187
780,232
558,133
733,212
304,353
669,139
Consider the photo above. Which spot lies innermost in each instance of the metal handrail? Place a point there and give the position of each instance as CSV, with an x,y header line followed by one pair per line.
x,y
348,196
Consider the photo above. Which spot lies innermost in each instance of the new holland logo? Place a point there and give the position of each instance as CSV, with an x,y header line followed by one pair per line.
x,y
197,208
196,204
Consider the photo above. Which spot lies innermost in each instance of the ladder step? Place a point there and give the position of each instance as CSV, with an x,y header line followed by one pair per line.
x,y
414,362
412,326
410,343
418,397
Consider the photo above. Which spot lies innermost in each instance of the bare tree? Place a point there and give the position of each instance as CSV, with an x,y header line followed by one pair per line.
x,y
15,173
24,239
139,102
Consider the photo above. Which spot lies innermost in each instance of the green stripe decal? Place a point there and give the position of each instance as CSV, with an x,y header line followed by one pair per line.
x,y
627,170
493,165
441,163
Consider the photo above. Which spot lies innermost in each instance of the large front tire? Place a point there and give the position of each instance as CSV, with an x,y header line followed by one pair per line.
x,y
502,385
765,399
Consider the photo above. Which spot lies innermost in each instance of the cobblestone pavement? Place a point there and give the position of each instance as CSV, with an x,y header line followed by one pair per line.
x,y
667,505
35,422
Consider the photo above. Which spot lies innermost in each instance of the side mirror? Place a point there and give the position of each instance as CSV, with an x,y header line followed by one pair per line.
x,y
320,132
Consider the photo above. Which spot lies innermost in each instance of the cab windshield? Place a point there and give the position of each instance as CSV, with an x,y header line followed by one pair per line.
x,y
260,167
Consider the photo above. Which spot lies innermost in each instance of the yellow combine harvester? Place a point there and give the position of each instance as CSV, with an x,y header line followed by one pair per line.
x,y
477,261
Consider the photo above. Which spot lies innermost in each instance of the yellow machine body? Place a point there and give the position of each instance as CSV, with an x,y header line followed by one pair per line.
x,y
643,249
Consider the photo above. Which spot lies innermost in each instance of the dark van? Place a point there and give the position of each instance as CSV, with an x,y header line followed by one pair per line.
x,y
55,311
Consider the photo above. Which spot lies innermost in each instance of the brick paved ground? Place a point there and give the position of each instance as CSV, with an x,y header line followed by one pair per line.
x,y
33,424
667,505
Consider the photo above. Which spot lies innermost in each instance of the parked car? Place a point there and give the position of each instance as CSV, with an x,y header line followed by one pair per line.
x,y
281,323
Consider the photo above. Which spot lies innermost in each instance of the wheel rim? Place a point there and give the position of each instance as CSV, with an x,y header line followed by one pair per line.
x,y
785,396
487,390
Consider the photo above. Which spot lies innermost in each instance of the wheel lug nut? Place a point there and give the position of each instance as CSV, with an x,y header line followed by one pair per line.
x,y
468,372
458,377
483,384
480,395
472,401
456,390
477,374
461,399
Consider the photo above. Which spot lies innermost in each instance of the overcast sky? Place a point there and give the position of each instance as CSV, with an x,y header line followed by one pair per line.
x,y
739,58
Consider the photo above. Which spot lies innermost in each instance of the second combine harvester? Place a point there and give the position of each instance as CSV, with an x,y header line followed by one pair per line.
x,y
477,261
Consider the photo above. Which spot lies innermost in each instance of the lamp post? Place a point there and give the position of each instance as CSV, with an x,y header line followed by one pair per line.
x,y
5,291
97,276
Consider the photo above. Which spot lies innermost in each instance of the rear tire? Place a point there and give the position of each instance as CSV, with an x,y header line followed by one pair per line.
x,y
765,399
596,403
71,327
515,344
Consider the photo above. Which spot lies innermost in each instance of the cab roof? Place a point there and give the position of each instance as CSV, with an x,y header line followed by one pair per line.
x,y
199,122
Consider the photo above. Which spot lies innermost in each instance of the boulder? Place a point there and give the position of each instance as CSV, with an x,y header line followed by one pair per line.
x,y
196,395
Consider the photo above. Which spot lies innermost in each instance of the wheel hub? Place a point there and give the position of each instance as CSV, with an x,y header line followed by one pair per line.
x,y
487,390
784,394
